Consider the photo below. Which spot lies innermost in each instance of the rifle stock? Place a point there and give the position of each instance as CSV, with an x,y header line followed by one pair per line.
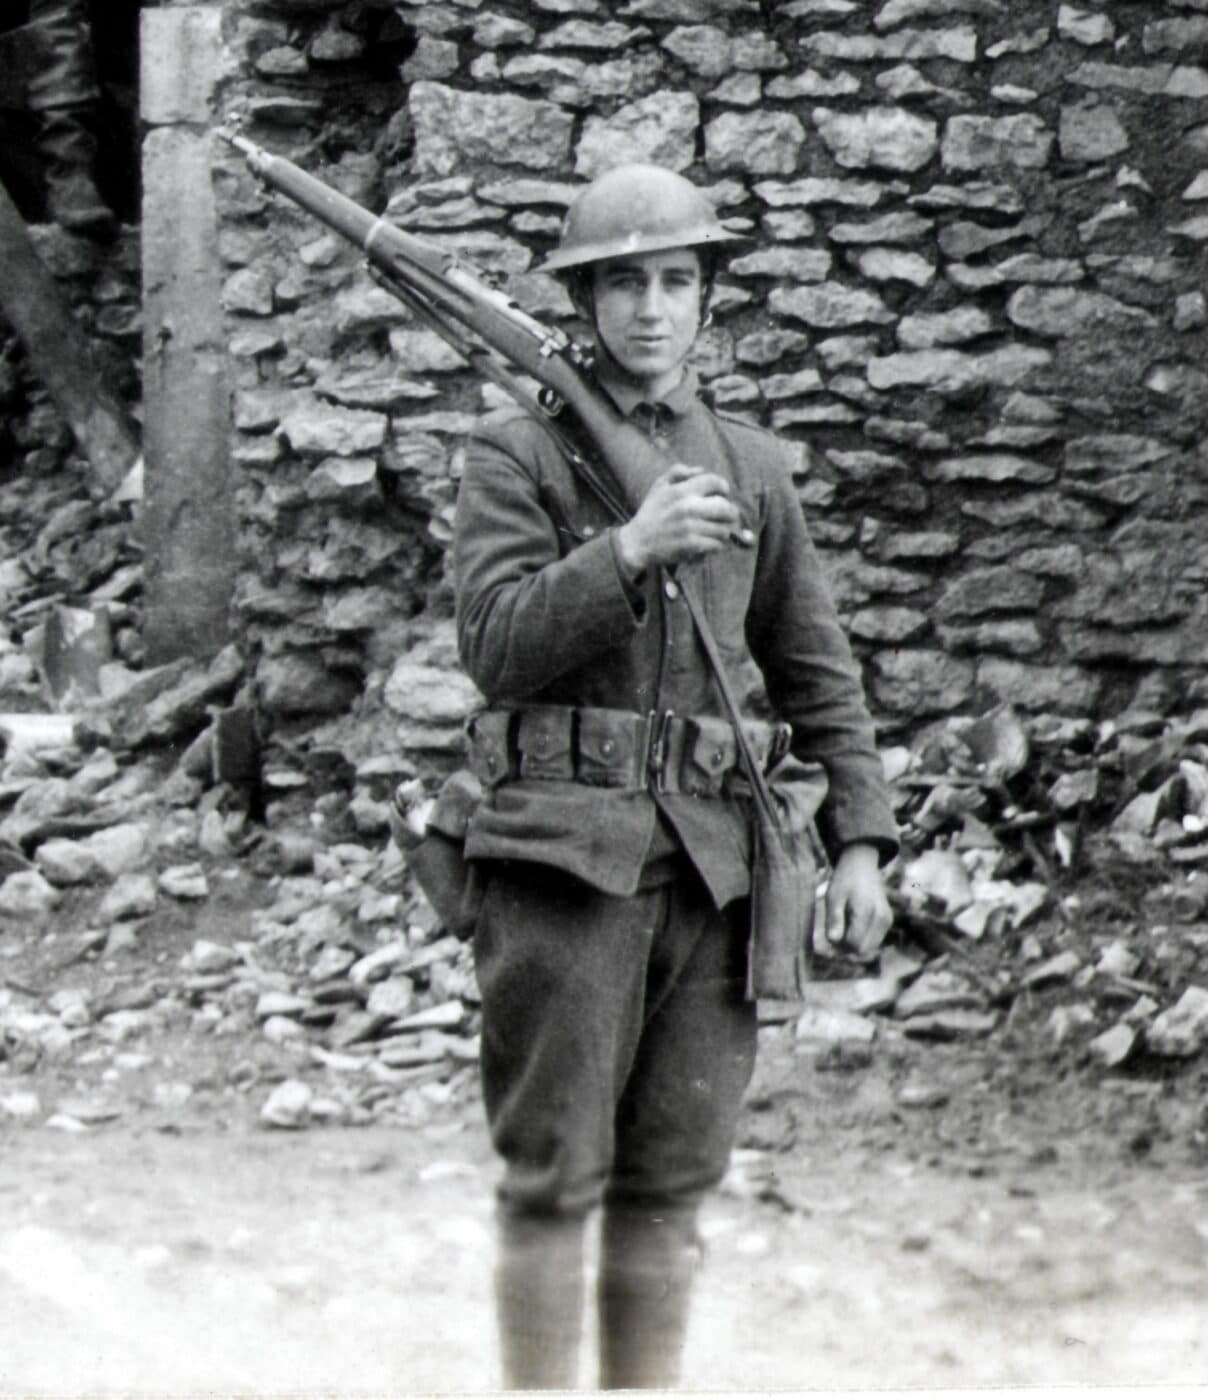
x,y
440,286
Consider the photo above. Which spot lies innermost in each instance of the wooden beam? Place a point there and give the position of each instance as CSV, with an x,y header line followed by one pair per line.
x,y
60,353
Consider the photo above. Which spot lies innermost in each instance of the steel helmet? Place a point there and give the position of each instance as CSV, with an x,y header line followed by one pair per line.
x,y
635,209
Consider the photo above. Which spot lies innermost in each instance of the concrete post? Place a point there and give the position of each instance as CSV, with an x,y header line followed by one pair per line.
x,y
188,522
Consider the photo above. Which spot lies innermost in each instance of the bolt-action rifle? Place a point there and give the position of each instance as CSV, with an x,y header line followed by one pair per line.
x,y
613,458
499,340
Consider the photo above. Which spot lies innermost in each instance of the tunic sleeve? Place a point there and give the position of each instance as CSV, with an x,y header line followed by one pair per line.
x,y
527,611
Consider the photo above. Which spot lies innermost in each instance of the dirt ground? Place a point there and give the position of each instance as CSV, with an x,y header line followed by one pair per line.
x,y
916,1214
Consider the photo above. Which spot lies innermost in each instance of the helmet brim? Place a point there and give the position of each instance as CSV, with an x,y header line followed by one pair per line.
x,y
635,245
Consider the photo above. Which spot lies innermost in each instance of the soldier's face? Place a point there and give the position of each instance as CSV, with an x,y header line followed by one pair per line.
x,y
647,312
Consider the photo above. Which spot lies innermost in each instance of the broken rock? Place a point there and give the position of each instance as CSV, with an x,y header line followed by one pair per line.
x,y
288,1106
1181,1030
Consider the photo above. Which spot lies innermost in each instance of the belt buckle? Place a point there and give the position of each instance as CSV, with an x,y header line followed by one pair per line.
x,y
656,765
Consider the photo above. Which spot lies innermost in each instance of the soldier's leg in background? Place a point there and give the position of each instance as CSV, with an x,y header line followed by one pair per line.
x,y
561,970
674,1130
63,92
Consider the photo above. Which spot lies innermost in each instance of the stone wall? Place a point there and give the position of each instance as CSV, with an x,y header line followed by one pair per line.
x,y
974,288
101,280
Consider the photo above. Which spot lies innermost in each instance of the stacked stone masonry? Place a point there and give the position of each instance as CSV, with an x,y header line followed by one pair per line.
x,y
974,290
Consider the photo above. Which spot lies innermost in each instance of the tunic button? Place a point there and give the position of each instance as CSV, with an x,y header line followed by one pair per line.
x,y
541,743
671,589
492,763
606,747
717,757
589,531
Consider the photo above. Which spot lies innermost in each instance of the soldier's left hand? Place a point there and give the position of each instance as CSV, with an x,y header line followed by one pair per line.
x,y
858,915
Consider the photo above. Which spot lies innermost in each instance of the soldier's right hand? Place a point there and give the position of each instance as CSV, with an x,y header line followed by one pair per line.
x,y
687,513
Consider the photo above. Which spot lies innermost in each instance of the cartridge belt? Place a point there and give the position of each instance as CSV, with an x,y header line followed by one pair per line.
x,y
659,751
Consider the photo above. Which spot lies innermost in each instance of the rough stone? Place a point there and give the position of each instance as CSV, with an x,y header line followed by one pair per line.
x,y
905,546
326,431
1195,229
1091,132
921,681
1039,508
587,34
965,239
27,894
788,225
184,882
1027,41
979,143
896,12
1012,636
704,48
660,129
131,896
1084,26
421,692
1185,38
493,31
985,591
249,292
838,351
894,265
812,84
830,305
1023,267
1065,311
422,352
888,138
901,227
300,684
905,81
795,264
955,371
764,143
791,386
766,347
889,625
686,11
958,44
739,90
1109,453
814,190
431,60
118,850
923,330
455,130
992,468
1182,1030
66,862
1190,311
1156,79
352,480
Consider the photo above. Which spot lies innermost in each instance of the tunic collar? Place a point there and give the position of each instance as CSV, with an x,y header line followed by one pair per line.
x,y
674,404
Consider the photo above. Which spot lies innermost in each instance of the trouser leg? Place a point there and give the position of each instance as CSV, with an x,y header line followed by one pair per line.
x,y
675,1125
63,93
616,1047
539,1291
648,1259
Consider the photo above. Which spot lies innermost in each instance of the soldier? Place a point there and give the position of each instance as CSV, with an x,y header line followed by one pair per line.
x,y
52,59
613,843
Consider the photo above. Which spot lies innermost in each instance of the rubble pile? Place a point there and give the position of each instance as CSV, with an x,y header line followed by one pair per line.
x,y
164,869
1049,879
